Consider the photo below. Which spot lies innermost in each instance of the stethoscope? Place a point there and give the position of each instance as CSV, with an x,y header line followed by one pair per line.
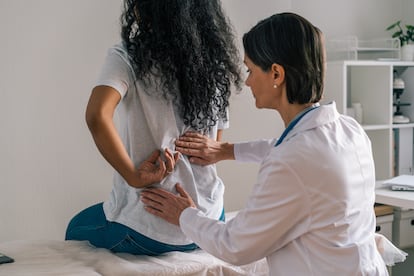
x,y
294,122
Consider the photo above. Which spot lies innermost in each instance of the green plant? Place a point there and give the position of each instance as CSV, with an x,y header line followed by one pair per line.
x,y
406,37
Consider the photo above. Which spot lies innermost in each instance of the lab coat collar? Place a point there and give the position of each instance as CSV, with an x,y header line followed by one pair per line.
x,y
325,114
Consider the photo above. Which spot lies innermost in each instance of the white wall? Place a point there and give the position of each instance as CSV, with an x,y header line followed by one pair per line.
x,y
366,19
407,12
50,53
49,167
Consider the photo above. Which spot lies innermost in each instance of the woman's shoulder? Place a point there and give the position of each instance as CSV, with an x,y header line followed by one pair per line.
x,y
118,54
119,48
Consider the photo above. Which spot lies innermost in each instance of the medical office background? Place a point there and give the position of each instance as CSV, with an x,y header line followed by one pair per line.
x,y
50,54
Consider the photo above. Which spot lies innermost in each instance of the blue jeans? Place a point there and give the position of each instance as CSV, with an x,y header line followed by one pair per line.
x,y
91,225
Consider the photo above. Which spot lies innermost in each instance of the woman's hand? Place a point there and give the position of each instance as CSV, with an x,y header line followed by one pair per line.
x,y
154,169
203,150
166,205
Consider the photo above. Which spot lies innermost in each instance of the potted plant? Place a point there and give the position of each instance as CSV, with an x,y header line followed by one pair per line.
x,y
406,39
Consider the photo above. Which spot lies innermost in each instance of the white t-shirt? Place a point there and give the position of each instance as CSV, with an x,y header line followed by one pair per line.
x,y
148,122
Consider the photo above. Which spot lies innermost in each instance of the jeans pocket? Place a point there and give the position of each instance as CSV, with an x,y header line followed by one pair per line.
x,y
129,245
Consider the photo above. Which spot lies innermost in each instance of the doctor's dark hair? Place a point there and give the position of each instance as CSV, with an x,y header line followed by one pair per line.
x,y
190,45
294,43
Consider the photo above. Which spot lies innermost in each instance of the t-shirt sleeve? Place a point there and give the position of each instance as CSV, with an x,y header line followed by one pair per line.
x,y
115,72
224,123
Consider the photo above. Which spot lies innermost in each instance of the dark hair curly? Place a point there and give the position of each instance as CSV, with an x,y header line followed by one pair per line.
x,y
293,42
191,44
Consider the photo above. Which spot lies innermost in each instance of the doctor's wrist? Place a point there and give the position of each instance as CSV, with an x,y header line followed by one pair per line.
x,y
227,151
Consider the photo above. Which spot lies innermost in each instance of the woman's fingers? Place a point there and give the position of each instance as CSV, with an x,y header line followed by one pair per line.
x,y
169,161
176,156
154,156
162,168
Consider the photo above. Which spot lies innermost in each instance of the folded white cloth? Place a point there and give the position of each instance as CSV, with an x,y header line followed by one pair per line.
x,y
389,252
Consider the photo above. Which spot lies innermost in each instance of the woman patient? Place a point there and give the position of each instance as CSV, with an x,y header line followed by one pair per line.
x,y
172,72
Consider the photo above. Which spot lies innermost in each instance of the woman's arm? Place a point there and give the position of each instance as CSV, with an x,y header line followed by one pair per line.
x,y
99,117
219,135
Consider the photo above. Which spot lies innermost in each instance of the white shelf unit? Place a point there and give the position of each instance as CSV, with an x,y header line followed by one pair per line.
x,y
352,48
371,84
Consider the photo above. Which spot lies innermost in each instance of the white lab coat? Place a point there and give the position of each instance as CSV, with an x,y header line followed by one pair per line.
x,y
311,210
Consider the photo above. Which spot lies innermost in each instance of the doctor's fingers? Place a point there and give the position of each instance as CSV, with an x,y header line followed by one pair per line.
x,y
158,199
194,142
192,135
152,199
156,194
188,151
160,210
169,207
200,157
197,148
164,213
149,201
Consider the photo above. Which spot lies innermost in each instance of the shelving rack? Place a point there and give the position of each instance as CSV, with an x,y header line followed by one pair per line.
x,y
370,82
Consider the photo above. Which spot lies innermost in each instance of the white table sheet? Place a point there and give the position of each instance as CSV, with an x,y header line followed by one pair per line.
x,y
58,258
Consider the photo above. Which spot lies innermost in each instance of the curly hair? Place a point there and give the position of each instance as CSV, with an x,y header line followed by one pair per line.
x,y
190,43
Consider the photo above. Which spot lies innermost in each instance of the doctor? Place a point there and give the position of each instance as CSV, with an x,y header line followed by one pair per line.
x,y
311,209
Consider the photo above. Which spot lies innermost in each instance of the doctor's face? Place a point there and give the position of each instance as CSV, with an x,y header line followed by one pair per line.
x,y
261,83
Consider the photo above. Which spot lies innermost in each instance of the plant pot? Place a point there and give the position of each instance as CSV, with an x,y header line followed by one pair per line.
x,y
407,52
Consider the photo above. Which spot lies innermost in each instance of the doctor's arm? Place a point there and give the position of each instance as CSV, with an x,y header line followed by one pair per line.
x,y
99,118
205,151
275,215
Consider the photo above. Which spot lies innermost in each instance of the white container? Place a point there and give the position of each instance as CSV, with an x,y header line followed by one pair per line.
x,y
407,52
358,112
350,112
403,228
384,226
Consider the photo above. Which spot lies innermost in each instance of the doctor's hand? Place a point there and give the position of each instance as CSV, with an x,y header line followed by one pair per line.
x,y
203,150
154,168
166,205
